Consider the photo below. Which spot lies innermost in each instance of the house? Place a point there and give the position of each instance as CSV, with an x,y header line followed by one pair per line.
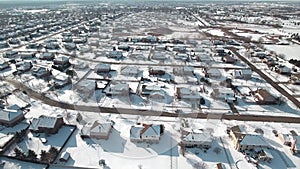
x,y
265,155
115,54
64,157
295,147
183,71
157,71
237,133
27,55
203,57
159,96
47,56
202,140
51,45
187,94
213,73
86,87
23,67
159,56
10,54
286,139
295,78
120,89
70,46
41,72
181,56
147,89
97,130
262,96
4,65
130,71
46,124
61,79
228,59
3,45
245,74
102,68
180,49
226,94
282,69
12,115
250,142
61,63
80,40
5,141
259,54
149,133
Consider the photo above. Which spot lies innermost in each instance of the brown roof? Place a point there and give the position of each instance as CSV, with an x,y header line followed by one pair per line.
x,y
237,132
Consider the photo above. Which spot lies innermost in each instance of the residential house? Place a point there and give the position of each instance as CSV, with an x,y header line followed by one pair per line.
x,y
12,115
295,147
11,54
157,71
180,49
286,139
51,45
86,87
46,124
97,130
213,73
120,89
181,56
5,141
130,71
265,155
202,140
61,79
184,71
149,133
282,69
102,68
41,72
70,46
64,157
61,63
115,54
4,65
237,133
27,55
23,67
187,94
159,56
228,59
3,45
203,57
295,78
47,56
262,96
251,142
226,94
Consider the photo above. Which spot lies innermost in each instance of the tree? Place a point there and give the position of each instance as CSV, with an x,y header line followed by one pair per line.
x,y
31,155
18,153
45,156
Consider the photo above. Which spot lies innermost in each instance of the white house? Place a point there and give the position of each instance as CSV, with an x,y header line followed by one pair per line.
x,y
102,68
250,142
213,73
184,71
119,89
149,133
130,71
188,94
203,140
226,94
97,130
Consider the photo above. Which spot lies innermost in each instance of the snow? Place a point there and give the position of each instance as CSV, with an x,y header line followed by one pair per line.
x,y
289,51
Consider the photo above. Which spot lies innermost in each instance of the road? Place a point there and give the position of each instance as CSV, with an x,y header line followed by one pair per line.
x,y
267,78
144,112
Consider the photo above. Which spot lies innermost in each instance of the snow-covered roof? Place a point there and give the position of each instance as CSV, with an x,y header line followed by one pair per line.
x,y
4,138
198,137
10,113
254,140
43,121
